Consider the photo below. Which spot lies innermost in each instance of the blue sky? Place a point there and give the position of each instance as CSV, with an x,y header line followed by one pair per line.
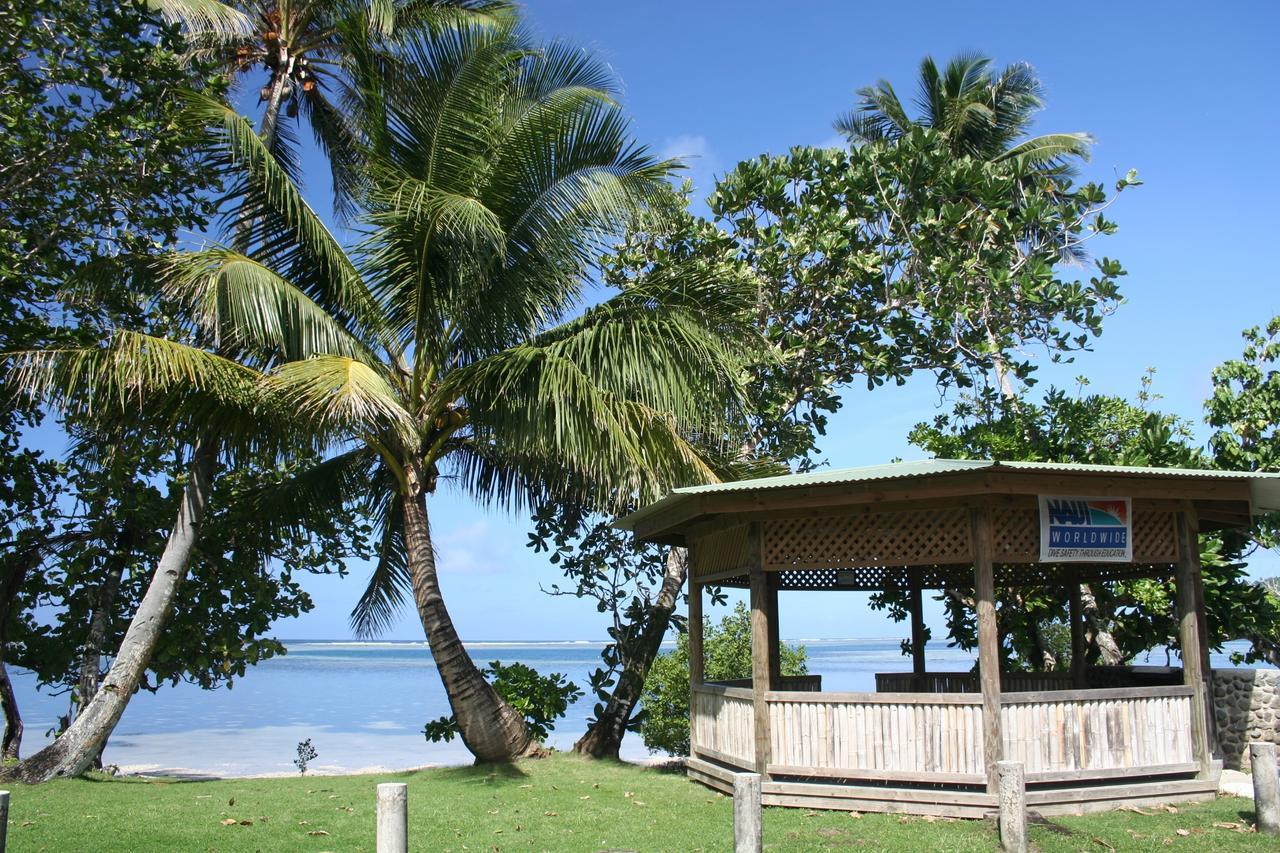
x,y
1182,92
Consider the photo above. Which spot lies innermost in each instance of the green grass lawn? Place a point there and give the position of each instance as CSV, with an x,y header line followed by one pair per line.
x,y
560,803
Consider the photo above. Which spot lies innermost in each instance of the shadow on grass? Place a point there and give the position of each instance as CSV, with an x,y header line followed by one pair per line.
x,y
1037,819
483,774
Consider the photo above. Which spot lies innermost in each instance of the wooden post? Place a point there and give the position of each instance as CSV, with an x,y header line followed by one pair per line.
x,y
1076,615
697,662
775,641
760,634
4,818
1189,631
1206,665
393,818
918,664
747,830
1013,806
1266,787
988,644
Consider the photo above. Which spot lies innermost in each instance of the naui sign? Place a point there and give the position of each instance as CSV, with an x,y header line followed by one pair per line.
x,y
1076,529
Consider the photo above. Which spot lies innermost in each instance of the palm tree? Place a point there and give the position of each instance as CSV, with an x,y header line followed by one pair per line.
x,y
977,112
454,347
304,51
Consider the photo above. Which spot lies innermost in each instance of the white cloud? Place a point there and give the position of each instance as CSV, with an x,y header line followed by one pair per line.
x,y
475,548
701,161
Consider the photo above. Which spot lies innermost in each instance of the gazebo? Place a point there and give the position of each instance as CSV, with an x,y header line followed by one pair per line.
x,y
927,743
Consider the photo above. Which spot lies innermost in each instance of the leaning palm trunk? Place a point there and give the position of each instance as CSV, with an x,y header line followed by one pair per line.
x,y
490,727
76,748
604,738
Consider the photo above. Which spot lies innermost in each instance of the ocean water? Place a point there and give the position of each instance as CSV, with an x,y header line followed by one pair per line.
x,y
363,705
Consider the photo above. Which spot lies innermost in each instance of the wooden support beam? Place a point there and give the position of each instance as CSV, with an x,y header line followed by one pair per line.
x,y
988,644
918,665
1190,629
760,634
1078,652
772,579
696,661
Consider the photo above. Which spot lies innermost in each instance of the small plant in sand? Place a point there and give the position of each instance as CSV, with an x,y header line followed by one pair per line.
x,y
306,752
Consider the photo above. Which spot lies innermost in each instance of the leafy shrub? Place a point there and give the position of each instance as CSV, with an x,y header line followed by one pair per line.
x,y
542,699
727,652
306,752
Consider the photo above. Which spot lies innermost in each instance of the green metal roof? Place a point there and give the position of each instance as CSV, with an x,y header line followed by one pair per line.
x,y
1265,488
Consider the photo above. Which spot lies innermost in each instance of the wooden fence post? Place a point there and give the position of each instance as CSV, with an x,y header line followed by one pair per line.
x,y
393,817
1013,806
747,835
1266,787
4,819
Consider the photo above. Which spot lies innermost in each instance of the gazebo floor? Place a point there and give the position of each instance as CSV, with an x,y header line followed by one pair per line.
x,y
1046,798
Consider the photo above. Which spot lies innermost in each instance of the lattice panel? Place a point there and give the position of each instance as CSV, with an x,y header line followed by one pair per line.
x,y
1154,538
956,576
720,551
914,537
1015,534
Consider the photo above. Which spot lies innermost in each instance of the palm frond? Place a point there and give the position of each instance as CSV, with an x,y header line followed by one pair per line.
x,y
245,303
315,495
1051,148
879,117
292,238
134,374
332,392
203,20
390,580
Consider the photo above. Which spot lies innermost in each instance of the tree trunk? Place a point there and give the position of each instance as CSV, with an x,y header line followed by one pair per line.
x,y
91,652
490,727
604,738
72,752
12,742
1108,649
271,116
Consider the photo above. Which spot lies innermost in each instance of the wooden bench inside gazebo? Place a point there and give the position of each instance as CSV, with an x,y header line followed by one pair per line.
x,y
927,743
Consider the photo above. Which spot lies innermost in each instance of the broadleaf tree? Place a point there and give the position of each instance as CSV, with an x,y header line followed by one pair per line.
x,y
869,265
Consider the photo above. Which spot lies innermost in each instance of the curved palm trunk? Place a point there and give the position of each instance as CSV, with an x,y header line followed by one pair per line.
x,y
77,747
491,728
604,738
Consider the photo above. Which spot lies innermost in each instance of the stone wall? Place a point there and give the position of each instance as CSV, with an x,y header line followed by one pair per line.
x,y
1246,703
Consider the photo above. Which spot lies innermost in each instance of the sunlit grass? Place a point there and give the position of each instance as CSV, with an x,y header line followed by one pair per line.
x,y
561,803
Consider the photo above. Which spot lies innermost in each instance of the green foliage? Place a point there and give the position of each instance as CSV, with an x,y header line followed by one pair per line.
x,y
874,263
306,754
727,653
1108,430
607,565
95,566
540,699
1245,413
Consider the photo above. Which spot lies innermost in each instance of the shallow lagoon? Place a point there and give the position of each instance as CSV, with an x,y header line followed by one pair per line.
x,y
363,705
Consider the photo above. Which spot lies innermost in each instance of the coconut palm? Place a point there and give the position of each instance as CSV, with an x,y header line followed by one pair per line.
x,y
458,349
978,113
302,52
